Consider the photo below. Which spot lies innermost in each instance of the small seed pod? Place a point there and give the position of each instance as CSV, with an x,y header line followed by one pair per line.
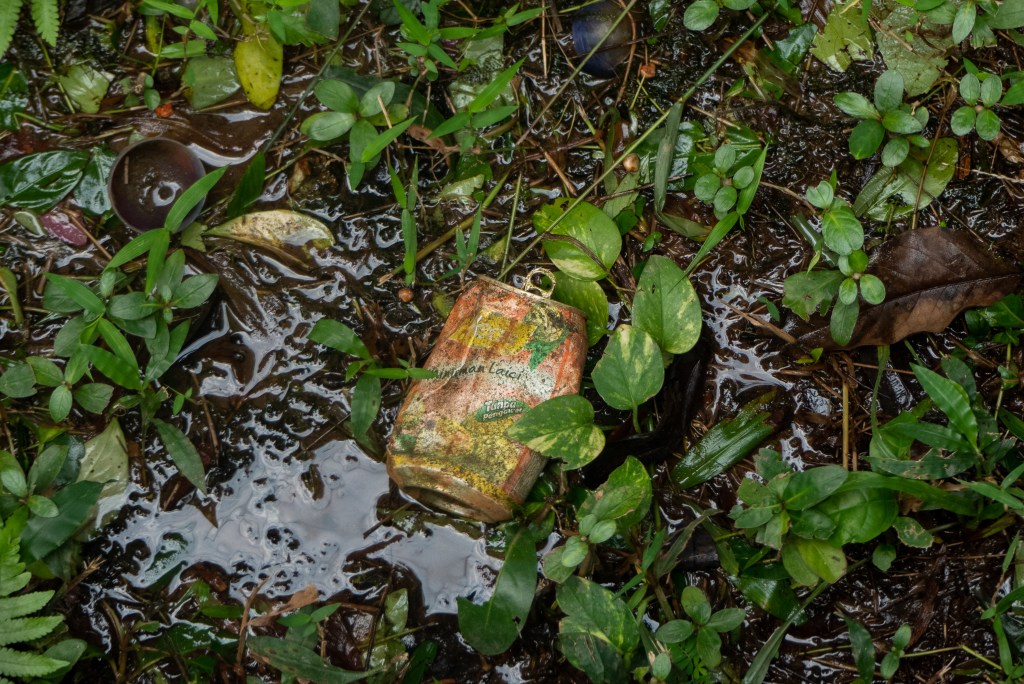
x,y
631,163
405,294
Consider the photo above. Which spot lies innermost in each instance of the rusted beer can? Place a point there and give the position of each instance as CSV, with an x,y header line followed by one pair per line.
x,y
501,351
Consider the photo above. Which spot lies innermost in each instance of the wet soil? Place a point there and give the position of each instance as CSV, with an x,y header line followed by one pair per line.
x,y
295,501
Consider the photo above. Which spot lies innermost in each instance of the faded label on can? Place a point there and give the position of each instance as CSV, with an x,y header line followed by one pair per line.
x,y
501,352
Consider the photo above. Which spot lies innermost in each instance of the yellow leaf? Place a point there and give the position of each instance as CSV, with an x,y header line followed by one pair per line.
x,y
258,60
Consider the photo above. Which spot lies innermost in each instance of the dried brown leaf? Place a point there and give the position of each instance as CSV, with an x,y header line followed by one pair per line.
x,y
930,276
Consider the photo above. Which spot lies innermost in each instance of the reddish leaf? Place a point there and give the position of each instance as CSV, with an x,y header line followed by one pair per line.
x,y
930,276
60,226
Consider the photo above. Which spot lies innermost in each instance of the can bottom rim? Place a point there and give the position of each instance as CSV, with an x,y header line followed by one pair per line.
x,y
443,491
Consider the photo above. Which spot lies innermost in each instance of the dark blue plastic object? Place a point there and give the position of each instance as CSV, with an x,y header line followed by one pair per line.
x,y
591,22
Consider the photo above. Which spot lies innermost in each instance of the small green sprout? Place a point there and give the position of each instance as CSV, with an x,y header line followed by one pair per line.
x,y
887,116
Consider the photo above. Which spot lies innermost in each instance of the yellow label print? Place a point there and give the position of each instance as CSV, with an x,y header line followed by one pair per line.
x,y
491,330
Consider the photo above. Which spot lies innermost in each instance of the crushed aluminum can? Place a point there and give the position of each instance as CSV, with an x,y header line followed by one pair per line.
x,y
501,351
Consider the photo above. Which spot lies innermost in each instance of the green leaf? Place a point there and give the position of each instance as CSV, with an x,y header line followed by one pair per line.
x,y
841,230
43,535
209,80
806,293
674,632
912,533
962,121
492,627
93,396
84,85
46,17
813,485
700,15
23,664
821,557
951,399
297,661
494,88
190,198
970,88
889,91
598,631
584,243
1014,94
194,291
38,181
259,62
848,291
60,403
365,404
183,453
844,39
250,187
18,381
901,122
857,105
923,61
726,620
11,475
865,138
860,514
46,466
588,297
106,462
987,124
338,95
339,336
91,192
963,22
863,649
895,151
843,322
630,371
624,498
727,442
47,373
666,306
883,556
383,139
371,101
76,292
872,289
991,90
326,126
561,427
696,605
9,12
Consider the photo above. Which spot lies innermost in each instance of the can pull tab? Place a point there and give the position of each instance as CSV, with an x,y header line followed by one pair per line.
x,y
535,283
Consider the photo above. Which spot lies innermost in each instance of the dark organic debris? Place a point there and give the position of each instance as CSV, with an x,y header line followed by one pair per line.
x,y
930,276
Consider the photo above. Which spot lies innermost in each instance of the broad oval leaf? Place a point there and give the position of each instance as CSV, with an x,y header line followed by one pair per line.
x,y
492,627
599,629
584,242
666,306
259,60
630,371
561,427
588,297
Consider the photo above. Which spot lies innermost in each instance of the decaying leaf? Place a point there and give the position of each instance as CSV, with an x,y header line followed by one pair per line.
x,y
279,231
259,60
930,276
843,39
917,51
